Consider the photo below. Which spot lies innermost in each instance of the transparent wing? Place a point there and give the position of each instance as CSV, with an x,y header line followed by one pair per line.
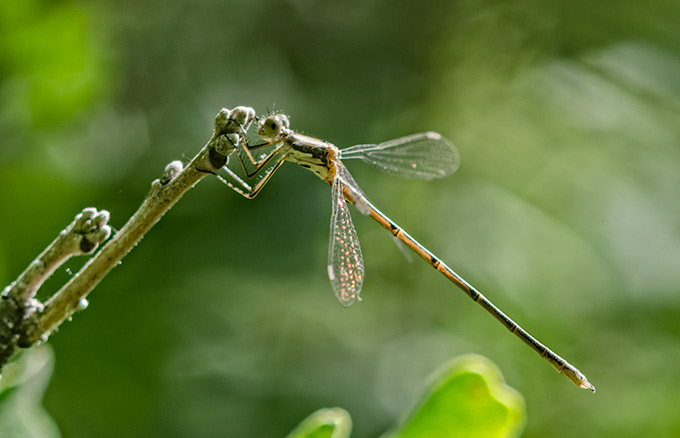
x,y
345,262
424,156
352,189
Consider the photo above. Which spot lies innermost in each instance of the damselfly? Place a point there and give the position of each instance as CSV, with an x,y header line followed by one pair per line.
x,y
422,156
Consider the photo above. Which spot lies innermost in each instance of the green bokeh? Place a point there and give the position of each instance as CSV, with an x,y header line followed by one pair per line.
x,y
221,322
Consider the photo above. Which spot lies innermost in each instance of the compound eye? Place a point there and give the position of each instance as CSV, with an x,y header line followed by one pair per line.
x,y
272,126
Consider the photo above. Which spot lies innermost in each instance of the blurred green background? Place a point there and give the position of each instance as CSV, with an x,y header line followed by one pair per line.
x,y
565,210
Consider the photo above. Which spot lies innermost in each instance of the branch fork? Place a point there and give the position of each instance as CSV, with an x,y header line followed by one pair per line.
x,y
25,321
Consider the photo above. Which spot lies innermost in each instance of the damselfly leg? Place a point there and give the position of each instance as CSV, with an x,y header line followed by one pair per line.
x,y
261,170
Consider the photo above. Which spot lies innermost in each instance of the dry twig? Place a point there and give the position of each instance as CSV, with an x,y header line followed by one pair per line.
x,y
24,320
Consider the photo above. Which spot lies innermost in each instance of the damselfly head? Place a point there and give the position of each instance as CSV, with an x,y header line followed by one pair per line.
x,y
272,127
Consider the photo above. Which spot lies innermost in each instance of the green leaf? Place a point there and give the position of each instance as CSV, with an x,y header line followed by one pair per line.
x,y
467,398
21,390
324,423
